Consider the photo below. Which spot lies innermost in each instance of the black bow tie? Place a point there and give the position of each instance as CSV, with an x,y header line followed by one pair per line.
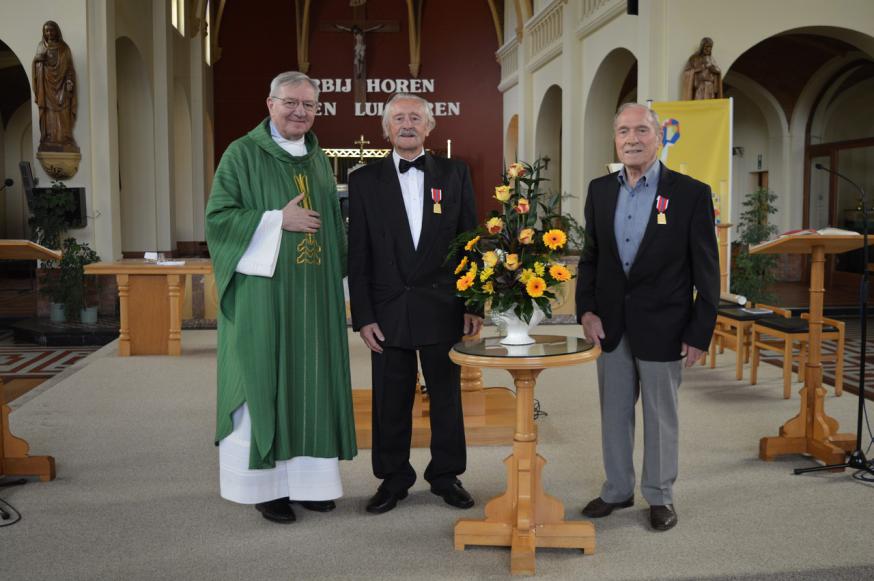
x,y
418,163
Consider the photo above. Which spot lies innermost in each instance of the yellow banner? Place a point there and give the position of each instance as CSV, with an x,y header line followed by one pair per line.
x,y
696,141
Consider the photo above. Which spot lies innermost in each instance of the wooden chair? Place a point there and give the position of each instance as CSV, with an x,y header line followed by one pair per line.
x,y
733,330
783,332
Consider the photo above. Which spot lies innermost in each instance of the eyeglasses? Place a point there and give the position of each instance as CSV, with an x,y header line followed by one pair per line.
x,y
292,104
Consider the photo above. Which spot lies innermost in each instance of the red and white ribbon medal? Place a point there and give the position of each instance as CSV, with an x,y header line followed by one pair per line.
x,y
662,207
437,197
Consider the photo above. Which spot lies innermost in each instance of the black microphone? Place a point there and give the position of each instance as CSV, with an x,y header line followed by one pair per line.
x,y
840,175
6,183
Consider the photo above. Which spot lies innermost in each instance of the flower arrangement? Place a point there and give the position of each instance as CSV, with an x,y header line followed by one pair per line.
x,y
511,261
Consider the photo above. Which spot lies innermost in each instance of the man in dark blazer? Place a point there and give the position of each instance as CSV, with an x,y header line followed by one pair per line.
x,y
403,213
650,245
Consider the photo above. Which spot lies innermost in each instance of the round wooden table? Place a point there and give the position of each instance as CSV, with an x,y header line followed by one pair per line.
x,y
524,517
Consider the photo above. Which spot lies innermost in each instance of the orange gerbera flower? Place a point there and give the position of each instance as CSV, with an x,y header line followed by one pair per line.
x,y
535,287
555,239
471,243
463,283
461,265
559,272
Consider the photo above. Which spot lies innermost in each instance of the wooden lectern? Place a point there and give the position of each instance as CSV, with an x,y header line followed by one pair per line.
x,y
811,431
14,459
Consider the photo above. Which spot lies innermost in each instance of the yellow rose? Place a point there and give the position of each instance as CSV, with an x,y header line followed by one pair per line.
x,y
490,259
555,239
516,170
461,265
539,268
559,272
489,288
494,225
486,274
526,236
535,287
522,207
511,262
502,193
471,243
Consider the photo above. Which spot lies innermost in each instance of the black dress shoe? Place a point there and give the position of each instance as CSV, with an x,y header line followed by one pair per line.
x,y
600,508
454,495
278,510
317,505
662,517
384,500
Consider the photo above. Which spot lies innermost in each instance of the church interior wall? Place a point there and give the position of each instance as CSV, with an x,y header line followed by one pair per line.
x,y
17,146
22,34
548,134
750,138
136,146
183,196
458,53
851,114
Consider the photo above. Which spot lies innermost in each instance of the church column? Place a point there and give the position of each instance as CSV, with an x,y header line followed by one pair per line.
x,y
104,196
162,73
197,107
527,115
571,113
654,73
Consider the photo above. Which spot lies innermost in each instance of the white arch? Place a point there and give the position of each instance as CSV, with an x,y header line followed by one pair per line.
x,y
136,146
511,140
18,146
547,136
183,171
600,107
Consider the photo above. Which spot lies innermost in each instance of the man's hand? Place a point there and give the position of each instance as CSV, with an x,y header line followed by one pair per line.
x,y
472,324
297,219
371,335
692,354
592,327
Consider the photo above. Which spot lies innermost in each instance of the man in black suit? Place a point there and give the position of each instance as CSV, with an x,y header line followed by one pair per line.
x,y
403,213
650,244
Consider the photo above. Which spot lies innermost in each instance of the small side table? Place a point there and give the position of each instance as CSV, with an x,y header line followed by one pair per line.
x,y
525,517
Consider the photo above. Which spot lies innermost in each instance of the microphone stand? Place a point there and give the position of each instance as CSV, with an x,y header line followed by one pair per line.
x,y
856,458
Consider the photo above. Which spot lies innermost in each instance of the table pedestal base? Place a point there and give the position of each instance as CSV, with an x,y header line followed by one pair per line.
x,y
819,439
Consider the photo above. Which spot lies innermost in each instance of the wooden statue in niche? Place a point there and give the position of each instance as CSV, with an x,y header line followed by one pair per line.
x,y
54,89
702,78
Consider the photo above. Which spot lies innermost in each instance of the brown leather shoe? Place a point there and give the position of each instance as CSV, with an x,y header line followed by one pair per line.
x,y
278,510
599,508
662,517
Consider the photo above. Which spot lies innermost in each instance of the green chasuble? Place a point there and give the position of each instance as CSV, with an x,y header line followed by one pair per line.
x,y
282,345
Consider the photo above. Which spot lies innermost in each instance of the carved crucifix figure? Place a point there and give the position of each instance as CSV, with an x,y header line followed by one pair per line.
x,y
359,26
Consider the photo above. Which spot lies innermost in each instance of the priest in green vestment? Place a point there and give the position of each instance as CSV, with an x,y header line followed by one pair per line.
x,y
278,249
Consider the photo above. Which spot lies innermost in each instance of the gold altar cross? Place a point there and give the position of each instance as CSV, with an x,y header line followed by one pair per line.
x,y
361,143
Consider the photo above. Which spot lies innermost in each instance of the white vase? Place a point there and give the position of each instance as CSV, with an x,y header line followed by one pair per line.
x,y
515,330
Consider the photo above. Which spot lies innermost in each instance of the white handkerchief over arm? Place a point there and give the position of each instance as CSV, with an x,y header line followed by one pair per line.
x,y
260,257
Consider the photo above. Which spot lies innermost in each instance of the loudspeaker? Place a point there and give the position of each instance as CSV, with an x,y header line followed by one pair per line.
x,y
631,7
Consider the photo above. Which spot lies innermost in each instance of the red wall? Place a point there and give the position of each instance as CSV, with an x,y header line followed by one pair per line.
x,y
458,46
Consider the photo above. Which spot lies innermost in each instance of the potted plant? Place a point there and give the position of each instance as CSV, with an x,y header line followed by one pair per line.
x,y
513,260
48,220
753,273
71,289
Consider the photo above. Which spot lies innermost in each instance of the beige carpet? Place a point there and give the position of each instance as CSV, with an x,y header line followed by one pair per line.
x,y
136,494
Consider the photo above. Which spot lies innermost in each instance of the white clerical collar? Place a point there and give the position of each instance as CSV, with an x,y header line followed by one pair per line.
x,y
282,142
397,158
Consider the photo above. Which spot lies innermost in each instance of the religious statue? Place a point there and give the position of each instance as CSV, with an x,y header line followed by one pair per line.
x,y
358,59
702,78
54,88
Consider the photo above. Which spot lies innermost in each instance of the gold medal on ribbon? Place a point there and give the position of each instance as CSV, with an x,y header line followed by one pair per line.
x,y
661,219
308,250
661,208
437,197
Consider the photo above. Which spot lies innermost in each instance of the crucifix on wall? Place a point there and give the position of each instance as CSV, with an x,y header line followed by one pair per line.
x,y
359,26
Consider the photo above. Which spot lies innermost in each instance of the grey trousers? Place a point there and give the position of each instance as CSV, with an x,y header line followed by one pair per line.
x,y
622,379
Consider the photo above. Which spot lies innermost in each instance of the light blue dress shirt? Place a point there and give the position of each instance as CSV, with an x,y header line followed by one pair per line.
x,y
633,209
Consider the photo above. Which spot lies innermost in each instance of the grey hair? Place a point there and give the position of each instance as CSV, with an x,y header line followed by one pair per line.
x,y
651,116
291,78
386,111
